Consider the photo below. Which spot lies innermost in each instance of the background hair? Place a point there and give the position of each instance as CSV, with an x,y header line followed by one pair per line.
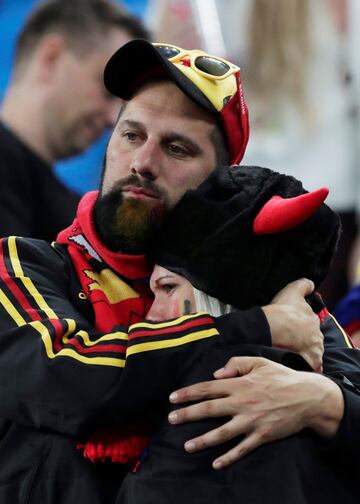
x,y
82,23
279,50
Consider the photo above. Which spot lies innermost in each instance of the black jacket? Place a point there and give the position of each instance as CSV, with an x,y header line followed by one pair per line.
x,y
33,201
60,378
300,469
54,392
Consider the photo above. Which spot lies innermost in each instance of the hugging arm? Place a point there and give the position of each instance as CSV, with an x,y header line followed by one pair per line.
x,y
267,401
288,322
293,323
59,372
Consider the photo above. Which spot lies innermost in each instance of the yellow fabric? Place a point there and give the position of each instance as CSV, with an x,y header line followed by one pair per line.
x,y
215,90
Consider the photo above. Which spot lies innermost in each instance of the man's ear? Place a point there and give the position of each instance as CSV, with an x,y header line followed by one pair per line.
x,y
49,52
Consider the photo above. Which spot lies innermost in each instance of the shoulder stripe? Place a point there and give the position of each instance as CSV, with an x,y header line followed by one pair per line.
x,y
346,337
14,289
14,256
86,338
169,323
61,334
10,308
19,296
68,352
28,283
158,345
185,324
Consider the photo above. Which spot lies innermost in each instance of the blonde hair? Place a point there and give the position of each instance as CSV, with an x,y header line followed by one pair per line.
x,y
211,305
279,50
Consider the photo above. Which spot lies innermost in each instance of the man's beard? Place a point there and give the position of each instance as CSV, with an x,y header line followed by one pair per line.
x,y
128,225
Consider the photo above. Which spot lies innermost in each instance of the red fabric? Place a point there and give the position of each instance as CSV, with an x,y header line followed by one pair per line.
x,y
323,314
235,120
120,446
130,266
14,289
280,214
352,327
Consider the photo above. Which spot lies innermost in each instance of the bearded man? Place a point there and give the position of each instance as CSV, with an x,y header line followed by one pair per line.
x,y
73,342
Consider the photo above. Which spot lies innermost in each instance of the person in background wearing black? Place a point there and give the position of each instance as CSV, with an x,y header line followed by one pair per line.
x,y
55,107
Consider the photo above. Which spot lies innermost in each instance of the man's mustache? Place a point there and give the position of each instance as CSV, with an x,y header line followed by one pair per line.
x,y
141,183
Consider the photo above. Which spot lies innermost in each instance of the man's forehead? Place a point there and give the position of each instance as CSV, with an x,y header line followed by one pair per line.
x,y
168,98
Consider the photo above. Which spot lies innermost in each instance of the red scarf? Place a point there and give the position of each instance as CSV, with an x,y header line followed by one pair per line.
x,y
124,300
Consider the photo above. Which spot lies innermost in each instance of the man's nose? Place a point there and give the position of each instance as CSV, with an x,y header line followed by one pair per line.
x,y
147,159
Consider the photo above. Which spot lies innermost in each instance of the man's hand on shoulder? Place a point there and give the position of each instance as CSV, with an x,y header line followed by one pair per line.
x,y
265,402
293,324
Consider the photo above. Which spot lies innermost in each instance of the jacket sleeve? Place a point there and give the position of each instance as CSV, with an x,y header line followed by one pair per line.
x,y
341,363
245,326
57,371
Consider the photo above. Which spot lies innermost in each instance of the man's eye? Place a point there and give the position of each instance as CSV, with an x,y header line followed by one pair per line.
x,y
131,135
177,150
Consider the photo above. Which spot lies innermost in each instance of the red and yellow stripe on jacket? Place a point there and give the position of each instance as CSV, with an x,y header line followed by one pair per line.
x,y
114,285
57,355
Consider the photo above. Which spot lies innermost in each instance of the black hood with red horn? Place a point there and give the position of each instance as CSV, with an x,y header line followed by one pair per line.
x,y
246,232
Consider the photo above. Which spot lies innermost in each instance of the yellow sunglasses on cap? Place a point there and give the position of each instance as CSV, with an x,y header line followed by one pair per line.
x,y
211,67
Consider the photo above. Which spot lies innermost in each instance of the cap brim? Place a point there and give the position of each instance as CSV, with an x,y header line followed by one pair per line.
x,y
139,62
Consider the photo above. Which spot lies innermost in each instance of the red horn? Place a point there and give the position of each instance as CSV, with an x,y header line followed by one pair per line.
x,y
281,214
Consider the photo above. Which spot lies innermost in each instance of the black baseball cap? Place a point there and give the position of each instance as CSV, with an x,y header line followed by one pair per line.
x,y
139,62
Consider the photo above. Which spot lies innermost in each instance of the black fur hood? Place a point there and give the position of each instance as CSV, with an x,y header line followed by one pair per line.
x,y
209,237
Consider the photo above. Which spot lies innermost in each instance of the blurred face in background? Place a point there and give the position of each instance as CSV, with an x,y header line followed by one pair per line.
x,y
78,107
173,295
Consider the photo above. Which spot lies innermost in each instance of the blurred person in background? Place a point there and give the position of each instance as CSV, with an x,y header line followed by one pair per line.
x,y
347,311
55,107
294,55
348,308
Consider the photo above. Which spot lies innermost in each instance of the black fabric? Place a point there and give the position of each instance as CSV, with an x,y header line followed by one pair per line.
x,y
143,62
300,469
47,404
209,238
33,201
293,470
50,403
40,466
52,395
